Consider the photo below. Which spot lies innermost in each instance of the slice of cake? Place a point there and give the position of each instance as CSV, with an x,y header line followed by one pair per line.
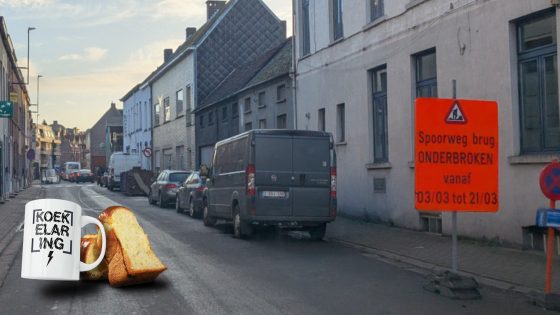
x,y
89,251
130,258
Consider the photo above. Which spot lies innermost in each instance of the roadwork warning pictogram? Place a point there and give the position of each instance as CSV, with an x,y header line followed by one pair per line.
x,y
456,115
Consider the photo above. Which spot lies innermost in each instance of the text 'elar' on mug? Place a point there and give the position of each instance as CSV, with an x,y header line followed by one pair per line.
x,y
51,240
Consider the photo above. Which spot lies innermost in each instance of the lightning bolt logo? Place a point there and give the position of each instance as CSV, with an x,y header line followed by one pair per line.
x,y
50,257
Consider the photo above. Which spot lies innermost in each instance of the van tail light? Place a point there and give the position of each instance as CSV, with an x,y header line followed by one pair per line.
x,y
333,182
200,189
169,186
250,173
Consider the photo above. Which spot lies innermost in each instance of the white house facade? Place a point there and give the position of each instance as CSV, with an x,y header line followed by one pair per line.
x,y
137,124
173,135
361,64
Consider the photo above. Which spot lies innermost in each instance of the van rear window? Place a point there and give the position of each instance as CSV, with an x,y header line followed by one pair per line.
x,y
273,154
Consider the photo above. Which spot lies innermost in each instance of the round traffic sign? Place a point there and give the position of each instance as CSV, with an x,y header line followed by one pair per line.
x,y
31,154
550,181
147,152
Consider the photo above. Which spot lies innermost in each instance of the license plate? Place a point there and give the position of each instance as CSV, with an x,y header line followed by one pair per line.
x,y
274,194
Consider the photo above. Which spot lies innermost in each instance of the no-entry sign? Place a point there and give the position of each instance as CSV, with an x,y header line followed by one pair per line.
x,y
456,155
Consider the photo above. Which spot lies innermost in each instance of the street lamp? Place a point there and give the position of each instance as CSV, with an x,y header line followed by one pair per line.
x,y
37,110
29,29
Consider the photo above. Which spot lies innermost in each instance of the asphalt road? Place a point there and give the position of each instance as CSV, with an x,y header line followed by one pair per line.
x,y
210,272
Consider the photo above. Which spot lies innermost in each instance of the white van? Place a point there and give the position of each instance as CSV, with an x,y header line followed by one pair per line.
x,y
120,162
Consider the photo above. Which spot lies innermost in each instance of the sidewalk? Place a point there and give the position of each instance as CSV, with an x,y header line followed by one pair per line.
x,y
11,217
501,267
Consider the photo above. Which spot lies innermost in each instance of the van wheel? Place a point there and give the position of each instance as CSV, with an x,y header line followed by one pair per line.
x,y
317,233
177,205
241,229
192,210
207,218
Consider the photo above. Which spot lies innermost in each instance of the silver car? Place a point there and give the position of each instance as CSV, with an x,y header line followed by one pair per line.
x,y
164,189
191,195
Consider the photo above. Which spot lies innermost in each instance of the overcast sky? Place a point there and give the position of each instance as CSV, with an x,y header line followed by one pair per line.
x,y
92,52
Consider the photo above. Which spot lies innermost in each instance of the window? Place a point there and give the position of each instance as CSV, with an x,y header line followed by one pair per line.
x,y
340,123
180,157
538,83
281,121
262,124
376,9
166,110
426,74
336,11
321,119
210,118
179,103
379,98
234,110
156,113
281,93
189,99
201,121
224,113
305,31
248,126
262,99
167,159
248,105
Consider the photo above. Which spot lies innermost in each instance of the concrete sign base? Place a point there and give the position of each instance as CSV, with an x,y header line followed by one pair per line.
x,y
453,286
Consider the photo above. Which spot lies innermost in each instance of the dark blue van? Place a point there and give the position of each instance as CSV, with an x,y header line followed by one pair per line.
x,y
284,178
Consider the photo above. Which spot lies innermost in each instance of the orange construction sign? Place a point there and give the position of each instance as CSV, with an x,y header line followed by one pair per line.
x,y
456,155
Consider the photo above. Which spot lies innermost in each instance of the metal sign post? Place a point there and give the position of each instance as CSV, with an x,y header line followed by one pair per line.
x,y
454,255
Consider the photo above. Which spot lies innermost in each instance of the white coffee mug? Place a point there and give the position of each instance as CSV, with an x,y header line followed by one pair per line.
x,y
51,240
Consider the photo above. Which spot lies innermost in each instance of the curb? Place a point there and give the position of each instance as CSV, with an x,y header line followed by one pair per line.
x,y
427,268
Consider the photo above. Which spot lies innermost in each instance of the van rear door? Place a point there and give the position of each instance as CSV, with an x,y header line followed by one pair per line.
x,y
273,175
311,173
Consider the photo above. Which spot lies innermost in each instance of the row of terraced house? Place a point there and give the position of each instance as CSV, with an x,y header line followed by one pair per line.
x,y
17,141
354,69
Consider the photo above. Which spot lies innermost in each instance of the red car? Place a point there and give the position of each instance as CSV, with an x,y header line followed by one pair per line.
x,y
72,176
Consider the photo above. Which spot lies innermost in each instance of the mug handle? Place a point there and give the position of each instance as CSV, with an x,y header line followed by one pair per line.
x,y
89,220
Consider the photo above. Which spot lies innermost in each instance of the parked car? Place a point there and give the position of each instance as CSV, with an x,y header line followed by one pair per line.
x,y
164,189
284,178
192,194
84,175
50,177
120,162
72,176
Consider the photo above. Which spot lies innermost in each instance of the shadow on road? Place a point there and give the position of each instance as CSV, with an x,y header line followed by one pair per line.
x,y
61,289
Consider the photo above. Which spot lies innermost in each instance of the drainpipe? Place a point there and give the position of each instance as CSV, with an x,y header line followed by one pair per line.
x,y
294,64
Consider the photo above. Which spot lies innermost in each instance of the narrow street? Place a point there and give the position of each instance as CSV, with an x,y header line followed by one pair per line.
x,y
210,272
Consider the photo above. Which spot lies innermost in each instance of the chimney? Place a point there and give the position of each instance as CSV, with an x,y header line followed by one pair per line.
x,y
190,32
284,28
167,54
113,105
212,7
